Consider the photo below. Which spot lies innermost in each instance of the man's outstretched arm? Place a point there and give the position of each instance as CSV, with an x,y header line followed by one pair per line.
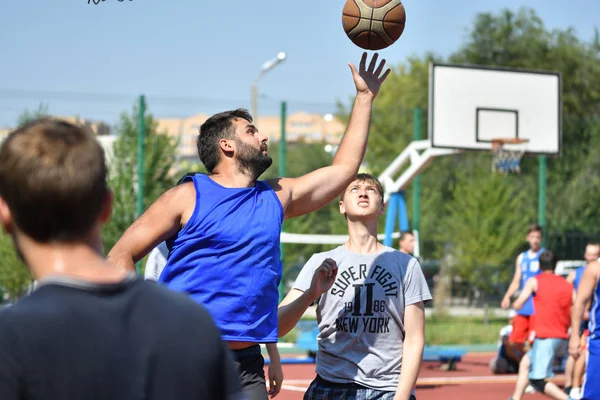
x,y
161,220
314,190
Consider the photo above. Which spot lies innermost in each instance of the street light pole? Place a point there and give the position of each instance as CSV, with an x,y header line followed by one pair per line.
x,y
266,67
254,100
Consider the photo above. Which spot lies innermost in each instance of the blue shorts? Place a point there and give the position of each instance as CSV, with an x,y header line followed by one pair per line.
x,y
591,384
542,354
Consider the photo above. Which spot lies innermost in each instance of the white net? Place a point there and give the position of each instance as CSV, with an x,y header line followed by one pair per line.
x,y
507,161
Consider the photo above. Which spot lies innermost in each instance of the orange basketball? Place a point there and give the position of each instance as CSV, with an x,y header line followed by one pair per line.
x,y
373,24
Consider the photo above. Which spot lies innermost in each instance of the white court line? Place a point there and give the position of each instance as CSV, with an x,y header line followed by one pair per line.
x,y
294,384
294,388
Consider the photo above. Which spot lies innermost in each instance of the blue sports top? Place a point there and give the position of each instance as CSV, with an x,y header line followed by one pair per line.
x,y
578,274
530,267
594,323
227,258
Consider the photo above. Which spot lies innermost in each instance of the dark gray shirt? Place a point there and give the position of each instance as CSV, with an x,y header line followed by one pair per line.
x,y
74,340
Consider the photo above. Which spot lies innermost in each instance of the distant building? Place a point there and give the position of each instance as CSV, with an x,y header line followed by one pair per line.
x,y
101,129
300,127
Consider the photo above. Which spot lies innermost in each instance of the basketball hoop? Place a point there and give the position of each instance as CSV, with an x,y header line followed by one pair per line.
x,y
507,161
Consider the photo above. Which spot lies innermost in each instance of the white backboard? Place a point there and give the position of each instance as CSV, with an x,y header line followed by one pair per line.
x,y
471,105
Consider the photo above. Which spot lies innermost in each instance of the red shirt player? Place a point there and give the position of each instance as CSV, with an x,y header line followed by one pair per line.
x,y
552,298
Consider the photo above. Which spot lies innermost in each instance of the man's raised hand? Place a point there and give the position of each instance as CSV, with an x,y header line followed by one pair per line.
x,y
369,80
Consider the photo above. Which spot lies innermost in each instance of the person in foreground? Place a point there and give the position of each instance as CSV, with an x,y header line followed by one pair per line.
x,y
370,308
552,298
588,291
91,329
223,229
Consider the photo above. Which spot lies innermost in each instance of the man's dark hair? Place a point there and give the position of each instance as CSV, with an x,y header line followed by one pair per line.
x,y
214,129
53,179
404,234
548,261
534,228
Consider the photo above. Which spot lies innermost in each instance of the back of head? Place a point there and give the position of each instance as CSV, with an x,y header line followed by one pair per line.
x,y
53,180
548,261
212,130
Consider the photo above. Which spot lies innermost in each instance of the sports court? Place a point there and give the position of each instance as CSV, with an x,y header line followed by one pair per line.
x,y
491,110
471,380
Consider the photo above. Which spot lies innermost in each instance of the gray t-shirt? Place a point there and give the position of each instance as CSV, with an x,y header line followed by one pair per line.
x,y
361,318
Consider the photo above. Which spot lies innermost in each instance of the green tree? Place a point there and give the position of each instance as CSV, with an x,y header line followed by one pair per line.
x,y
15,278
27,115
482,229
520,39
513,39
160,157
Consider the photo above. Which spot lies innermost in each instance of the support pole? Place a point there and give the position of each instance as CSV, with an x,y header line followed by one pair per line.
x,y
141,135
543,162
416,218
282,162
396,204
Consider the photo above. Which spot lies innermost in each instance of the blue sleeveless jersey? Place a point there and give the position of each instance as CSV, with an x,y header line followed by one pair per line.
x,y
594,321
578,274
530,267
227,258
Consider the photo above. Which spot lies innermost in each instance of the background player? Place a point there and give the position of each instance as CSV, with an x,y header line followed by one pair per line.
x,y
406,242
223,229
90,329
588,290
575,370
526,266
507,360
553,298
370,308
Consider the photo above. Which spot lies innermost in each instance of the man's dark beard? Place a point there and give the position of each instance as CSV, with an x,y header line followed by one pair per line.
x,y
251,160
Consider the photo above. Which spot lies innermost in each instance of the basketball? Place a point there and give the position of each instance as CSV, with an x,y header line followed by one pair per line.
x,y
373,24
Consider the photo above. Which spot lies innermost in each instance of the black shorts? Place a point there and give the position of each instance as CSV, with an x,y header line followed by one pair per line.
x,y
250,364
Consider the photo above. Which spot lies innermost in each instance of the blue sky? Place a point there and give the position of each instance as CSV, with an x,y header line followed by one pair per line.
x,y
190,56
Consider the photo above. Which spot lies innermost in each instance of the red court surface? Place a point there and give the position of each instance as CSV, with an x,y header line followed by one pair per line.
x,y
471,380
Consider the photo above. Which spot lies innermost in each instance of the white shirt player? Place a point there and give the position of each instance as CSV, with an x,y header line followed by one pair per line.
x,y
156,262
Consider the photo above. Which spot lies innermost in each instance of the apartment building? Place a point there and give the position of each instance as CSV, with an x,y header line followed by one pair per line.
x,y
300,127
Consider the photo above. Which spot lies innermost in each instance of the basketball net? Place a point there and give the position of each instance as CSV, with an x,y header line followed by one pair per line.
x,y
506,161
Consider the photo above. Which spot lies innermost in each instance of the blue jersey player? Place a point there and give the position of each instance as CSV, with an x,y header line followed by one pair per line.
x,y
527,266
575,370
223,229
588,290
